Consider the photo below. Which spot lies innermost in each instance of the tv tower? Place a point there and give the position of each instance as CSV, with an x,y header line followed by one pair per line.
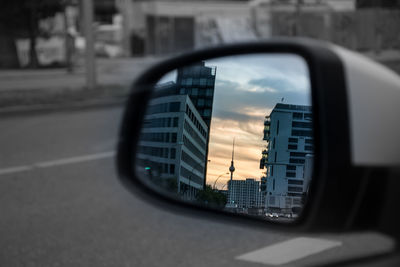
x,y
232,168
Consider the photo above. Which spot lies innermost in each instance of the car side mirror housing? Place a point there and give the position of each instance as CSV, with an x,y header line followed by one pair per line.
x,y
193,124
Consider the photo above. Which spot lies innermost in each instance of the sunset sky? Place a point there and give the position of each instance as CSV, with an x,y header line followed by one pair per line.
x,y
246,90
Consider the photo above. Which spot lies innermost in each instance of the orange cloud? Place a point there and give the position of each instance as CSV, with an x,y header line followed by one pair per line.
x,y
248,146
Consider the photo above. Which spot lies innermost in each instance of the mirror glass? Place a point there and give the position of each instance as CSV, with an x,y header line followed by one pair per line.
x,y
232,133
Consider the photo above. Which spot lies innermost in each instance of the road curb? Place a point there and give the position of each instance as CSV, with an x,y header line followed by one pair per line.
x,y
44,101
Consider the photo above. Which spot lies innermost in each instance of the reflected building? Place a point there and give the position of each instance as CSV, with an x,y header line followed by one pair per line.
x,y
198,81
173,144
244,194
288,158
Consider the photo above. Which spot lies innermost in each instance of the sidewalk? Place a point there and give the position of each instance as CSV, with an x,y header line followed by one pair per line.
x,y
24,89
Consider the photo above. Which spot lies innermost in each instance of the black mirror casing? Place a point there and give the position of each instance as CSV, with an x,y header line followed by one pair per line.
x,y
337,190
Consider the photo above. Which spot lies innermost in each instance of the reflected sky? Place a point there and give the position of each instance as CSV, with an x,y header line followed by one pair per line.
x,y
246,90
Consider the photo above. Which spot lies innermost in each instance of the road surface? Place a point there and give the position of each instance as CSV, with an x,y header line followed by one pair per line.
x,y
62,205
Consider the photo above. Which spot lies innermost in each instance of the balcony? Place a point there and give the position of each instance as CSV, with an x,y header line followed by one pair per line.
x,y
266,134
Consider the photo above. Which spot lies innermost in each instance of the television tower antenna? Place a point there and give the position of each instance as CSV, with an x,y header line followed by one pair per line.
x,y
232,168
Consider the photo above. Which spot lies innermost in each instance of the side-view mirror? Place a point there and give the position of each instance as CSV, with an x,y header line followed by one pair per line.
x,y
293,133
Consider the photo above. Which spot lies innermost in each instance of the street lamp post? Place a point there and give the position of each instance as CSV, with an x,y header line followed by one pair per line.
x,y
218,178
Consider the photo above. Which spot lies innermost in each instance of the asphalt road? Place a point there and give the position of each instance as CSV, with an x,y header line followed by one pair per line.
x,y
62,205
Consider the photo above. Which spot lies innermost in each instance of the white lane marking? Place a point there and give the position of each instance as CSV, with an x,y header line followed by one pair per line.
x,y
58,162
288,251
15,169
76,159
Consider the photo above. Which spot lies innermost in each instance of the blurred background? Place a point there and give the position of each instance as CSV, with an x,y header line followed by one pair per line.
x,y
48,34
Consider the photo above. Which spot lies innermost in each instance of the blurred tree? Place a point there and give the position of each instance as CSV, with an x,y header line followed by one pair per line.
x,y
20,18
212,198
172,185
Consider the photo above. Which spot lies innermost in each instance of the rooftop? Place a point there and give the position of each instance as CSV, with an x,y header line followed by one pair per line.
x,y
292,107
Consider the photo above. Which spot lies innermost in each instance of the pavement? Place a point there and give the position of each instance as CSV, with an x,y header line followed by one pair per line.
x,y
27,90
54,89
62,205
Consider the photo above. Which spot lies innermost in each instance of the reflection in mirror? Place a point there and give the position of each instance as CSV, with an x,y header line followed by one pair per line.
x,y
232,133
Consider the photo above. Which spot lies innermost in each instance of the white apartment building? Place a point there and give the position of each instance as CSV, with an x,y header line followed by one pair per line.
x,y
288,157
244,194
173,143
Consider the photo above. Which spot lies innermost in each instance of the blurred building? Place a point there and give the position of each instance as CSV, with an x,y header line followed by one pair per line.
x,y
378,3
193,90
288,159
169,26
244,194
173,143
198,82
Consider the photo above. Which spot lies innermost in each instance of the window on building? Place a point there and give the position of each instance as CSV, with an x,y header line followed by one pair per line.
x,y
165,168
309,141
296,161
293,140
209,92
273,144
290,174
195,91
294,194
182,91
276,156
308,116
277,128
173,138
309,148
207,112
302,133
297,154
295,189
200,102
208,102
271,170
291,167
273,184
171,168
173,153
295,182
301,124
203,81
290,146
175,122
196,81
189,81
297,115
174,106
